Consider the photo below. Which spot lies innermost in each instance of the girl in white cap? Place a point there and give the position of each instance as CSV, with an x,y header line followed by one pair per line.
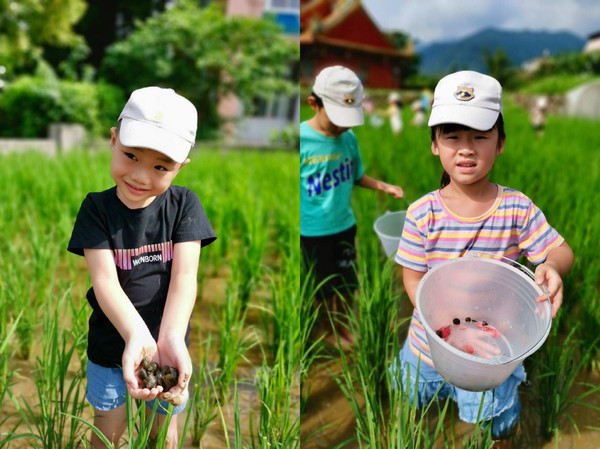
x,y
469,212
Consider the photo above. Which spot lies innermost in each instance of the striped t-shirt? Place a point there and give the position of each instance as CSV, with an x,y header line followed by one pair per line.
x,y
432,234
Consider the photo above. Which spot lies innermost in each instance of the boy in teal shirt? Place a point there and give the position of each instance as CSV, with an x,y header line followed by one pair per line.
x,y
330,166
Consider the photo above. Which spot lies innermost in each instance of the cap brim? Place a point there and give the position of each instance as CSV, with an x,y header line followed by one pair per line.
x,y
344,116
137,134
481,119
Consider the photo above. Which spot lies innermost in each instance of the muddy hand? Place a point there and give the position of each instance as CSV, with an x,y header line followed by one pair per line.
x,y
176,395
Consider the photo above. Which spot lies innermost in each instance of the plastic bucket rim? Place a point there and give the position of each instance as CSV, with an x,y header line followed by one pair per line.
x,y
481,360
383,234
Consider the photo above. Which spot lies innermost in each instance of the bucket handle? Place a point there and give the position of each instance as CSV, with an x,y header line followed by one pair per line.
x,y
529,273
515,264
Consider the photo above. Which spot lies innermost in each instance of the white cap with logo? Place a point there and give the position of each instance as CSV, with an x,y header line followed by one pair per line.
x,y
161,120
467,98
342,95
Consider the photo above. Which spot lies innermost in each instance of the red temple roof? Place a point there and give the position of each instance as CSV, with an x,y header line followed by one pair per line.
x,y
346,24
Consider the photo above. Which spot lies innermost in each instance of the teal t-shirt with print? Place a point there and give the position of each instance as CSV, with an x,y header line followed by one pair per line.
x,y
329,167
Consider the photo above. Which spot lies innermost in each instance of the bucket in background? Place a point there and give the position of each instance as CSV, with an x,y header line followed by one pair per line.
x,y
483,289
388,228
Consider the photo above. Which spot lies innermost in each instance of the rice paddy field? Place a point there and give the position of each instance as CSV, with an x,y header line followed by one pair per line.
x,y
351,401
245,341
261,380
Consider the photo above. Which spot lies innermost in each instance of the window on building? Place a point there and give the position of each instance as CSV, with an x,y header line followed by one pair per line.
x,y
282,4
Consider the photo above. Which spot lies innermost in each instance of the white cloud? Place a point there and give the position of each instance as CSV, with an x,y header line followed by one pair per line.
x,y
436,20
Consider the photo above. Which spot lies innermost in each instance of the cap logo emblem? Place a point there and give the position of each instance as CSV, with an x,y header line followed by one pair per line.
x,y
349,99
464,93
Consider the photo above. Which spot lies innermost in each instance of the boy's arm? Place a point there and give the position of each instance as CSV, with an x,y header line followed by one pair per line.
x,y
555,267
370,183
178,310
122,314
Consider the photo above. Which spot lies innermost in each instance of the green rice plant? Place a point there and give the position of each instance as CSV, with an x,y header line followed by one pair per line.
x,y
233,340
140,427
555,367
278,385
281,311
7,329
375,325
309,348
252,247
59,397
19,293
204,396
79,313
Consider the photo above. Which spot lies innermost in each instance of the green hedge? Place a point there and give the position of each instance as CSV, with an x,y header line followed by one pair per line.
x,y
30,103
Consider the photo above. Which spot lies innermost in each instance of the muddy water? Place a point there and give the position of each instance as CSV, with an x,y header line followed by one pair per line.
x,y
329,418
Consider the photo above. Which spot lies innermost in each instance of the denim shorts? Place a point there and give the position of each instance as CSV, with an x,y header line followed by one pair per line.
x,y
501,404
106,390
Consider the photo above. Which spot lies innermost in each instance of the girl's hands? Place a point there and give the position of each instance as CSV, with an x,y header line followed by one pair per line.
x,y
173,352
136,348
546,274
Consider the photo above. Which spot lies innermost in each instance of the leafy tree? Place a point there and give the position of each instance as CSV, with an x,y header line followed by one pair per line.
x,y
203,55
106,21
499,66
28,25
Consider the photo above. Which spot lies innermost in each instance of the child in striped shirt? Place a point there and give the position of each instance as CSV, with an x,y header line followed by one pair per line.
x,y
469,213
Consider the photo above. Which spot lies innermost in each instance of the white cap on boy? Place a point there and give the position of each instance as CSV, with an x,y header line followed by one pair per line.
x,y
161,120
342,95
467,98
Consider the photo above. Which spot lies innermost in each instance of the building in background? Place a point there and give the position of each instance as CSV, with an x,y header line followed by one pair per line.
x,y
269,117
342,32
593,43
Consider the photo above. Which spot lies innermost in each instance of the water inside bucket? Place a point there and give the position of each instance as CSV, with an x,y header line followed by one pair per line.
x,y
478,339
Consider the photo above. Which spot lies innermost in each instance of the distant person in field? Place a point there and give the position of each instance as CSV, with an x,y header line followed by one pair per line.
x,y
537,115
469,212
141,240
394,113
330,166
418,119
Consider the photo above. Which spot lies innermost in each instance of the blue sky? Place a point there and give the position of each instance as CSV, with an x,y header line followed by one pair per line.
x,y
440,20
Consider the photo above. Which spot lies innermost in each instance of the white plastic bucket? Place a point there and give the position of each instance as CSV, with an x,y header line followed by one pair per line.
x,y
484,289
388,228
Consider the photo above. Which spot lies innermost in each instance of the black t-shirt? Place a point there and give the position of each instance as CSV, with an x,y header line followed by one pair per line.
x,y
142,242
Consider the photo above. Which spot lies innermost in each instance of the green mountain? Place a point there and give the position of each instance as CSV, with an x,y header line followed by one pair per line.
x,y
519,46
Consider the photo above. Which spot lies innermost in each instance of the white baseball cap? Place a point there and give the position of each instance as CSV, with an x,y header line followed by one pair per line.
x,y
342,95
467,98
161,120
